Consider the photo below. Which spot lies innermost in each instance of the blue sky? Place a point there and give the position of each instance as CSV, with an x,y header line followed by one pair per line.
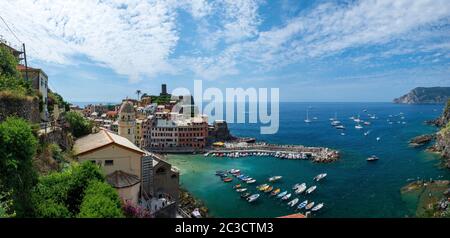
x,y
312,50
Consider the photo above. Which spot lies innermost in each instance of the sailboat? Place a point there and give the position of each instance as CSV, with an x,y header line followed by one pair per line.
x,y
307,120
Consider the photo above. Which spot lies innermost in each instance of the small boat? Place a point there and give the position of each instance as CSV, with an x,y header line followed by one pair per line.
x,y
295,186
220,173
227,180
367,123
240,190
263,188
320,177
268,190
286,197
253,197
309,206
342,134
282,194
301,189
366,133
237,186
251,181
372,158
293,202
261,185
311,189
275,178
317,207
303,204
196,213
359,127
340,127
234,171
244,195
275,192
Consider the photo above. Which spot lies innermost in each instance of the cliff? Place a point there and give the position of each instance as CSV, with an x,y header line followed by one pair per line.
x,y
421,95
443,136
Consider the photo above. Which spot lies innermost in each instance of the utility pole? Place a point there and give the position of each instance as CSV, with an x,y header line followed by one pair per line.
x,y
25,57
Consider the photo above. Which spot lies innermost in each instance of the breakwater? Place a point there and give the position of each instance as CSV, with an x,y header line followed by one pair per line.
x,y
236,150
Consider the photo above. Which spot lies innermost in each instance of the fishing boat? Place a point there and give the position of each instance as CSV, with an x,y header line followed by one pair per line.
x,y
268,190
286,197
275,192
301,189
372,158
263,188
262,185
250,181
282,194
275,178
240,190
320,177
309,206
220,172
253,197
293,202
317,207
237,186
303,204
295,186
244,195
227,180
311,189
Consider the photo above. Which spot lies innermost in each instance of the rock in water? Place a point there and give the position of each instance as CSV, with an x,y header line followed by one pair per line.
x,y
421,95
421,140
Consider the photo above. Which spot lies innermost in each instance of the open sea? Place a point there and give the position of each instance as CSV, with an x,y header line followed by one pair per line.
x,y
353,187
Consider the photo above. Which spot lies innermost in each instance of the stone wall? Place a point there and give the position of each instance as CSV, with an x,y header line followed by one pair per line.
x,y
24,107
57,136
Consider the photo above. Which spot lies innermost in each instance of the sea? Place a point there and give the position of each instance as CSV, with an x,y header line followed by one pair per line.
x,y
353,187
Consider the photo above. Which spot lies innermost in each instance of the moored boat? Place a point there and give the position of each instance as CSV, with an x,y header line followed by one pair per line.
x,y
275,192
303,204
311,189
317,207
372,158
250,181
244,195
293,202
320,177
268,189
253,197
227,180
286,197
237,186
275,178
240,190
301,188
282,194
309,206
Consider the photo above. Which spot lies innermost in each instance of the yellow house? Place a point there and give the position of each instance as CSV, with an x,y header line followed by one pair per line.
x,y
119,158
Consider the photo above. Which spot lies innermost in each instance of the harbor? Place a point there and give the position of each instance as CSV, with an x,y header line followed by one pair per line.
x,y
292,152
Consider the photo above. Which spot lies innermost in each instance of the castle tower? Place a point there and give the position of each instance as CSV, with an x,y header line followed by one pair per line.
x,y
127,121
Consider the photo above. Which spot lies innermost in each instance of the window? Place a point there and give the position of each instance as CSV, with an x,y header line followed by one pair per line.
x,y
129,131
109,162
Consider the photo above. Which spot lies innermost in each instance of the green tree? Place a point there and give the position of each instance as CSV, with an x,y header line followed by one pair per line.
x,y
79,126
17,149
10,79
60,194
8,63
100,201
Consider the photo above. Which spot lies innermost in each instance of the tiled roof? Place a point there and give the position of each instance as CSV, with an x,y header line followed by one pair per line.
x,y
103,138
121,179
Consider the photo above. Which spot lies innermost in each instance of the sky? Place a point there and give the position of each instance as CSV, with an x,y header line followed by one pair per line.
x,y
105,50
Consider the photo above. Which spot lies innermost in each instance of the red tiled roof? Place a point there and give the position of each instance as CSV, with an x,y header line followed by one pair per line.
x,y
22,68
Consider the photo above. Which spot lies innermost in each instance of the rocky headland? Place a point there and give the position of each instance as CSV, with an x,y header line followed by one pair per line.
x,y
422,95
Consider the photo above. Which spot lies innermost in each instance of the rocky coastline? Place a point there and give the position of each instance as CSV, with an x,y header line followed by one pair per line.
x,y
189,203
422,95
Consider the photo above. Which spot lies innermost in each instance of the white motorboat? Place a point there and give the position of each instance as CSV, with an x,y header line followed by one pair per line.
x,y
295,186
286,197
372,158
282,194
358,126
303,204
320,177
234,171
340,127
311,189
253,197
250,181
317,207
293,202
300,188
275,178
309,206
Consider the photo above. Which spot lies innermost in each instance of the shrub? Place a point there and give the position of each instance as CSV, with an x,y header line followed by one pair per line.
x,y
100,201
132,210
17,149
79,126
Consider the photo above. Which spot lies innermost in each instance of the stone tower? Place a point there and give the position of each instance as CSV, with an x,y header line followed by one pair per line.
x,y
127,121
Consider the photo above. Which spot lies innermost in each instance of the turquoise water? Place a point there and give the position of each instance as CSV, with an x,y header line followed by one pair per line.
x,y
353,188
